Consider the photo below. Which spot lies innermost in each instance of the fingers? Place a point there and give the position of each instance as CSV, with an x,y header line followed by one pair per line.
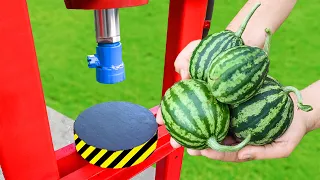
x,y
182,60
269,151
174,143
159,118
280,148
221,156
193,152
160,121
181,63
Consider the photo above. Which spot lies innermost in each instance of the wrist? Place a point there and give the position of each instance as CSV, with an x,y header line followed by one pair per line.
x,y
314,122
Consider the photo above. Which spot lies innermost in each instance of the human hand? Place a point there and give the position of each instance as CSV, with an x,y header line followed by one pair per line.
x,y
302,123
181,65
182,62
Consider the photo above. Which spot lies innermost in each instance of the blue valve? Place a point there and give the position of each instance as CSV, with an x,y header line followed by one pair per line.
x,y
108,63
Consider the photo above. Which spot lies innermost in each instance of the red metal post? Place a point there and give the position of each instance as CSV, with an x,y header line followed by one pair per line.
x,y
26,150
69,160
185,24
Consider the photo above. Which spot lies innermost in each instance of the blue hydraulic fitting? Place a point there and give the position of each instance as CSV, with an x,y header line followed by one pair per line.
x,y
108,63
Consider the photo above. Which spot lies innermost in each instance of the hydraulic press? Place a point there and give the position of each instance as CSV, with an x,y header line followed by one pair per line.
x,y
24,127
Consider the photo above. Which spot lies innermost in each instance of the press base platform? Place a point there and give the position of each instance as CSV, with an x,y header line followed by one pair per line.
x,y
115,134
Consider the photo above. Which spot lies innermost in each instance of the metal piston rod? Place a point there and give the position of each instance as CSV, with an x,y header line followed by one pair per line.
x,y
107,25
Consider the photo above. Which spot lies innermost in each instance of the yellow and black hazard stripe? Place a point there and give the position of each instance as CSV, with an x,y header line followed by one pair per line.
x,y
115,159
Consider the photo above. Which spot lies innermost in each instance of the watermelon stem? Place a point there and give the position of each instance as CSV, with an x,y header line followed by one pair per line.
x,y
213,144
301,106
246,20
267,43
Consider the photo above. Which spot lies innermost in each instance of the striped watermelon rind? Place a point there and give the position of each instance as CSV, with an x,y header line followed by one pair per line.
x,y
211,46
266,116
274,80
238,73
194,118
208,49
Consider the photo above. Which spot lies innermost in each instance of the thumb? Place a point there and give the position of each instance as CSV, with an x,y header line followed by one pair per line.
x,y
269,151
182,61
184,74
159,117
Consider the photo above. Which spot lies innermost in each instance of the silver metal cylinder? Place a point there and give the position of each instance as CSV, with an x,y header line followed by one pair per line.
x,y
107,25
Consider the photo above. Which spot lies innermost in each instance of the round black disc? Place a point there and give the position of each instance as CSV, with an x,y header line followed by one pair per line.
x,y
116,125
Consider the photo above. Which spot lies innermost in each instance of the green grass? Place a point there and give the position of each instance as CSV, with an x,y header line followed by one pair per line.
x,y
63,39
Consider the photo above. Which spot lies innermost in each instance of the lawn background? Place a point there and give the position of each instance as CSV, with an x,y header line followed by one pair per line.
x,y
64,37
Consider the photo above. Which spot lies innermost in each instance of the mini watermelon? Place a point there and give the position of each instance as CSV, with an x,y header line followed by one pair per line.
x,y
237,73
194,118
212,45
267,115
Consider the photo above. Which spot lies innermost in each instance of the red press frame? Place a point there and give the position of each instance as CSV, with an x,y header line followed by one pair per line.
x,y
26,149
